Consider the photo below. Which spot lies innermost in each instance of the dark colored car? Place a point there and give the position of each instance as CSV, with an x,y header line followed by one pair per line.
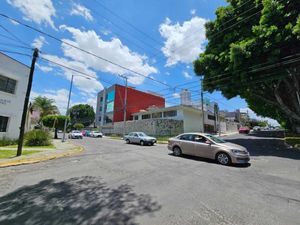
x,y
244,130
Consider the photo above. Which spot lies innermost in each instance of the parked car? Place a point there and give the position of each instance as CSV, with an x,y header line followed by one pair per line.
x,y
75,134
86,133
208,146
256,128
96,134
139,138
244,130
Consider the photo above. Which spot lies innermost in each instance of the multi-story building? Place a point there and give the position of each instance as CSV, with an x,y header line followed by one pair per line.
x,y
110,103
13,84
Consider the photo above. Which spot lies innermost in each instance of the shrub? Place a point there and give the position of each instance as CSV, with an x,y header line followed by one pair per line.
x,y
6,141
78,126
293,141
37,138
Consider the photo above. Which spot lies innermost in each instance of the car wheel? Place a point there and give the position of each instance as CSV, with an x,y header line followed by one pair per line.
x,y
223,158
177,151
127,141
142,143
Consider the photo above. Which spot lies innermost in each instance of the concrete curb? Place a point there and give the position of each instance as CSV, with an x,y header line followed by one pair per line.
x,y
77,150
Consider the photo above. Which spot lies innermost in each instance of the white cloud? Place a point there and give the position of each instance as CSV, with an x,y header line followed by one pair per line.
x,y
183,42
80,10
61,99
45,69
91,86
113,50
187,75
38,42
14,22
59,96
176,95
253,115
193,11
38,11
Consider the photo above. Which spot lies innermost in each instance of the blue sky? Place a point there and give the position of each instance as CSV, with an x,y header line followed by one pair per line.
x,y
159,39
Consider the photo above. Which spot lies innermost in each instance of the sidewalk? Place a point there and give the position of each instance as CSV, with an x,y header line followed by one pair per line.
x,y
60,150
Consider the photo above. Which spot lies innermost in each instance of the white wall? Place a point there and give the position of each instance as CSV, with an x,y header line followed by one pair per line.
x,y
192,121
11,105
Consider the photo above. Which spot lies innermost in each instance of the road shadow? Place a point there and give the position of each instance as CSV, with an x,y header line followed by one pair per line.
x,y
267,147
200,159
83,200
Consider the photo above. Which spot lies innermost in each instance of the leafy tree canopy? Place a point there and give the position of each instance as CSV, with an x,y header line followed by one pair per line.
x,y
78,126
82,113
45,106
55,121
253,51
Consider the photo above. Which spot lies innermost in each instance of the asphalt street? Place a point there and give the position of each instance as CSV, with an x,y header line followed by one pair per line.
x,y
116,183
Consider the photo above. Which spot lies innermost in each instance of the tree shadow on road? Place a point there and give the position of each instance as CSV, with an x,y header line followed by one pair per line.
x,y
267,147
83,201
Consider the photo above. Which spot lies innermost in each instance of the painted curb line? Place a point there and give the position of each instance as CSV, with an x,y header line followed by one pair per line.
x,y
17,162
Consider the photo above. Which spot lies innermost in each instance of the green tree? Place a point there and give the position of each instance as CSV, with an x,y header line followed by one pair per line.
x,y
82,113
45,106
253,52
55,121
78,126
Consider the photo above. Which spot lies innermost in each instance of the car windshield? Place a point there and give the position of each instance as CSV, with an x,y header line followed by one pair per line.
x,y
215,139
141,134
76,131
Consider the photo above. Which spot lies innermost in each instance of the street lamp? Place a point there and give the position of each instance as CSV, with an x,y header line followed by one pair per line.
x,y
70,91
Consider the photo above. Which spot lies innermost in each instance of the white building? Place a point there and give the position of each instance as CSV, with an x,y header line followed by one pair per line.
x,y
13,84
191,117
185,97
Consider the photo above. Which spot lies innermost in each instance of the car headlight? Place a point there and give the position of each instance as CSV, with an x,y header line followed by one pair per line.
x,y
236,151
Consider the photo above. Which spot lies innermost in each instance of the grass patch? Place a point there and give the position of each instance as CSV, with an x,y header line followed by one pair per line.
x,y
163,138
5,154
293,141
39,147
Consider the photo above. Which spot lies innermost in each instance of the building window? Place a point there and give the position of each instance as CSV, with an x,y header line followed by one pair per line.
x,y
101,99
172,113
99,119
211,117
147,116
109,118
7,85
136,117
100,109
3,123
157,115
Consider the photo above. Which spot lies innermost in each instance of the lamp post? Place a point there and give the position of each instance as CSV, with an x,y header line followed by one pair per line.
x,y
68,105
125,105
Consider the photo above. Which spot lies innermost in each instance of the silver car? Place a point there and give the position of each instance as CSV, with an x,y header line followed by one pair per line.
x,y
208,146
139,138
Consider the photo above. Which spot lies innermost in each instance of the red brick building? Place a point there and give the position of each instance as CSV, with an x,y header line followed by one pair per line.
x,y
110,103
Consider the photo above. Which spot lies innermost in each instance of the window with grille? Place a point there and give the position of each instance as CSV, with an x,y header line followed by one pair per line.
x,y
7,85
3,123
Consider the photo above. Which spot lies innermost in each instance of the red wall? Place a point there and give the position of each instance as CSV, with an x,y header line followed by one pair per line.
x,y
136,100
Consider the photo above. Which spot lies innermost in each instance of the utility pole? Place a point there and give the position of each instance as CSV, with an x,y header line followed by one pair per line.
x,y
25,108
66,119
125,106
202,107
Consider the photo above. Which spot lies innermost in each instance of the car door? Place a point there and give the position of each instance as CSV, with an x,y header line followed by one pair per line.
x,y
135,138
201,147
186,144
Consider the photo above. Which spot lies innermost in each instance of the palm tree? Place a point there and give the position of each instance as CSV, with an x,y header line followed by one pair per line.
x,y
45,106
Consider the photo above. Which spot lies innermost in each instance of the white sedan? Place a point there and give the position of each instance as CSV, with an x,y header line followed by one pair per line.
x,y
96,134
